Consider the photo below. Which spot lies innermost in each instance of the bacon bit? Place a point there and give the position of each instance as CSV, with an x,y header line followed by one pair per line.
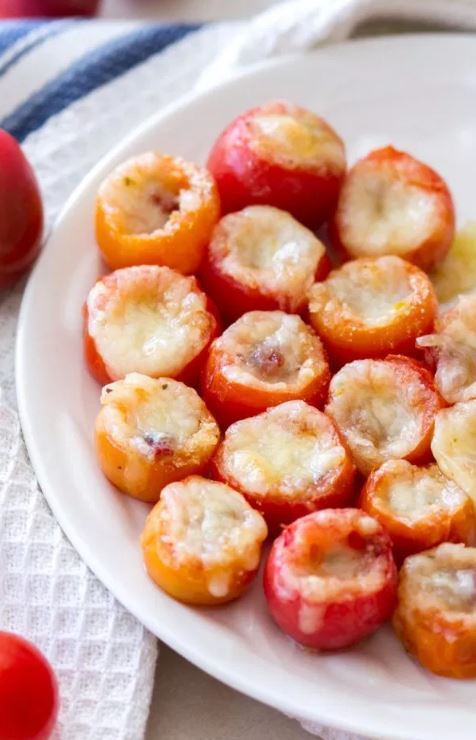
x,y
356,541
268,359
161,445
167,204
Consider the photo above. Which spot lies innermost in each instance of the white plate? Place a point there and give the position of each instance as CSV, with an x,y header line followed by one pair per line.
x,y
417,92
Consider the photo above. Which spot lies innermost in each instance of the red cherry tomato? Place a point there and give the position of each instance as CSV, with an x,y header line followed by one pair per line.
x,y
21,212
46,8
330,578
28,691
280,155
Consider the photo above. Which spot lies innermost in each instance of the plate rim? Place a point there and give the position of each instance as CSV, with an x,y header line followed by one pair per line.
x,y
213,667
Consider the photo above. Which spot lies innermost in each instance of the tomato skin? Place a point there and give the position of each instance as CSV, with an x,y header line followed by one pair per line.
x,y
28,691
230,402
47,8
21,212
340,622
279,513
181,243
189,375
441,638
234,298
347,337
410,537
405,372
281,507
421,454
430,251
246,177
186,576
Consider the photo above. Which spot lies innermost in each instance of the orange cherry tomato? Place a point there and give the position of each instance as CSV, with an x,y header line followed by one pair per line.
x,y
452,349
150,432
418,506
28,691
263,359
202,542
330,579
150,320
261,258
281,155
370,307
391,203
435,617
158,210
287,462
384,409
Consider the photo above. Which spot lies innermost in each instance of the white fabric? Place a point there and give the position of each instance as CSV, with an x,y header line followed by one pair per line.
x,y
103,657
298,25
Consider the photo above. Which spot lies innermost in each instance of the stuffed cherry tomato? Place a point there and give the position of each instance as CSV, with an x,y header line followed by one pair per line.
x,y
262,259
288,462
150,432
156,209
384,409
453,349
418,506
279,155
263,359
391,203
150,320
436,616
202,542
330,579
454,444
370,307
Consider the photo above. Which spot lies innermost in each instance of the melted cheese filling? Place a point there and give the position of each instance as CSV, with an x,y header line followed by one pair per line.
x,y
135,197
271,348
269,250
371,292
286,451
457,272
297,141
208,521
456,588
333,572
156,417
411,492
379,419
151,321
455,375
454,444
444,579
380,213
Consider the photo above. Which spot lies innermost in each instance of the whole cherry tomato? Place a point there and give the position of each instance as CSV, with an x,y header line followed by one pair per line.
x,y
21,212
46,8
28,691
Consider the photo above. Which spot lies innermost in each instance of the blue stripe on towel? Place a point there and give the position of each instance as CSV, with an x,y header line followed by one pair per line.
x,y
51,28
92,71
13,31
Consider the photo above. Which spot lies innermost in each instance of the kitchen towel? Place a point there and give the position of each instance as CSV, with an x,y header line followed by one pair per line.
x,y
69,90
